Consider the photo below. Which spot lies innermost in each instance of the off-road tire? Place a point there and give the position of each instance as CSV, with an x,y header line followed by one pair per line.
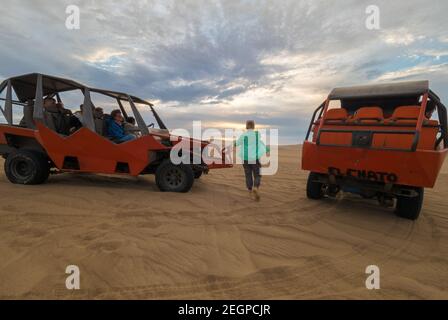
x,y
27,167
314,189
410,207
174,178
197,174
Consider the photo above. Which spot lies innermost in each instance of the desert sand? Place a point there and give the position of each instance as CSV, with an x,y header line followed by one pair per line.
x,y
132,242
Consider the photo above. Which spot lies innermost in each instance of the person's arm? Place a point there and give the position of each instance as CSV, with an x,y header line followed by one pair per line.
x,y
115,130
133,128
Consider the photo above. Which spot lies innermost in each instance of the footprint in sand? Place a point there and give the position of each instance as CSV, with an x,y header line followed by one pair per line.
x,y
107,246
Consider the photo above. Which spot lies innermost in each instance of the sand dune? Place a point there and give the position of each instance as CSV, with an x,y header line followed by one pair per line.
x,y
131,241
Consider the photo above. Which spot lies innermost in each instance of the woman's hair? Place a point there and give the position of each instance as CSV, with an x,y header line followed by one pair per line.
x,y
250,124
114,113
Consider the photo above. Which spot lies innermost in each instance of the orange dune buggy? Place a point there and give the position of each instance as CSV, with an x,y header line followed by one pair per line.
x,y
37,146
384,141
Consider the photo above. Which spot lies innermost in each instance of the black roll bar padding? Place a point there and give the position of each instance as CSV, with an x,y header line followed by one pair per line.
x,y
138,118
415,141
313,119
2,87
123,111
442,114
159,121
373,132
8,103
438,141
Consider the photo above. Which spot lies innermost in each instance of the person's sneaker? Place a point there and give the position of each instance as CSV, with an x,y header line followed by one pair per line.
x,y
257,195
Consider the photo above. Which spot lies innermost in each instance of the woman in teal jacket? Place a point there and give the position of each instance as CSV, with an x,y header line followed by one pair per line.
x,y
251,150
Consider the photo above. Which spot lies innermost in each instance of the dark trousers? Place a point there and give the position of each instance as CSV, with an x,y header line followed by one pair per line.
x,y
252,173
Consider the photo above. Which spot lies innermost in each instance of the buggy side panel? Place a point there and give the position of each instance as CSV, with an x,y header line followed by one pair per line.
x,y
95,153
419,168
12,137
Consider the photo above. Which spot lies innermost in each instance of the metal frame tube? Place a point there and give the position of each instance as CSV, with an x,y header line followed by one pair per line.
x,y
138,118
87,112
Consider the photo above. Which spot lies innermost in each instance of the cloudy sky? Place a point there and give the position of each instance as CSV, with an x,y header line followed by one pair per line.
x,y
223,62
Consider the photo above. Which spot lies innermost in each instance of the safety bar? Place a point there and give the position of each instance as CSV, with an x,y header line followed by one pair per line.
x,y
321,108
16,102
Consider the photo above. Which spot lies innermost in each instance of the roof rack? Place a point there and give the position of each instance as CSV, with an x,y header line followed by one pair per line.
x,y
408,88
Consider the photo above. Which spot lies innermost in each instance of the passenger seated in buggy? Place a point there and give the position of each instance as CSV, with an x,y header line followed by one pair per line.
x,y
58,118
115,127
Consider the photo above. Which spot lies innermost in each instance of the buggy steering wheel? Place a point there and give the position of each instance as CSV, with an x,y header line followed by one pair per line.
x,y
151,125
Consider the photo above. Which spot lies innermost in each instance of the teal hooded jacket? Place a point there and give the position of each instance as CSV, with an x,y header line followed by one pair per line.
x,y
251,148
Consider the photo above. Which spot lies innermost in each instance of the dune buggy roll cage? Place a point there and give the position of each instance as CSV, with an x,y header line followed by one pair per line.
x,y
36,86
383,91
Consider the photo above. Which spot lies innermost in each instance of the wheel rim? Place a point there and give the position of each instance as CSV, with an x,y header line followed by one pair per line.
x,y
21,168
174,177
